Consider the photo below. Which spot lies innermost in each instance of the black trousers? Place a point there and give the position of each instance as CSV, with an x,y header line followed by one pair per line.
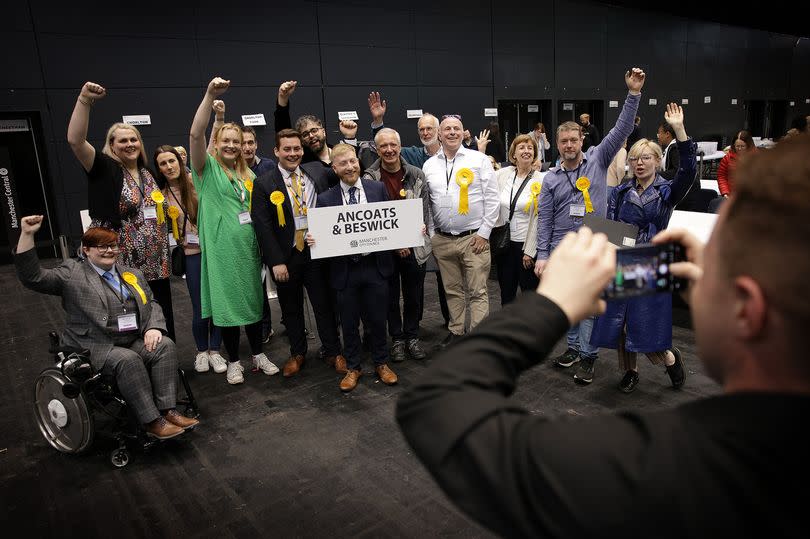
x,y
230,338
404,324
162,290
511,273
364,298
314,275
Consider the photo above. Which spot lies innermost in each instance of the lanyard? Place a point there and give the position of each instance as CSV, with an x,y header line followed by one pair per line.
x,y
139,186
573,183
185,213
449,174
513,201
298,196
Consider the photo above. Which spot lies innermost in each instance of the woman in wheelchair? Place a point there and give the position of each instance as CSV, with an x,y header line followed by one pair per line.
x,y
111,312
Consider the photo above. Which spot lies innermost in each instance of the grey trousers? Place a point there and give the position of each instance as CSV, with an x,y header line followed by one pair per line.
x,y
146,380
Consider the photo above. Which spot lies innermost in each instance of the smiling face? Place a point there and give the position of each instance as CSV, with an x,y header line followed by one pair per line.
x,y
248,147
104,257
388,148
289,153
451,133
229,145
314,136
347,167
126,145
428,130
168,165
524,154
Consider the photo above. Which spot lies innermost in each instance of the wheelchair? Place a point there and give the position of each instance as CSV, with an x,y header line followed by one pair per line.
x,y
73,403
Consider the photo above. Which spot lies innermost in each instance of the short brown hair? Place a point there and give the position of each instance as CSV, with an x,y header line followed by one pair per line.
x,y
288,133
766,218
520,139
248,129
569,126
98,235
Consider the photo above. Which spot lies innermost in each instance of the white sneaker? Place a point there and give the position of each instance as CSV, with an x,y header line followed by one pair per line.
x,y
267,366
235,370
217,362
201,362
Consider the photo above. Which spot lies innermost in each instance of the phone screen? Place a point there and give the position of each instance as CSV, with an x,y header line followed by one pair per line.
x,y
644,270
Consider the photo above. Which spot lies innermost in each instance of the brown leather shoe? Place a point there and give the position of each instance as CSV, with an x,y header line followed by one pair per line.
x,y
293,365
176,418
338,362
349,381
387,376
162,429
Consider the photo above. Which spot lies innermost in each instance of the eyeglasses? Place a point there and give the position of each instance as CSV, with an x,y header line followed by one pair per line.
x,y
454,116
109,247
645,158
311,132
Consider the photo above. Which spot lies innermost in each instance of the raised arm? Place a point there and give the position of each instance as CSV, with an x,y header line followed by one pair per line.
x,y
377,107
686,148
609,147
196,143
219,120
29,271
281,116
79,122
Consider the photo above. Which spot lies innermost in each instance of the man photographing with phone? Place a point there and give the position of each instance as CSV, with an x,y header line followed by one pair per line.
x,y
724,465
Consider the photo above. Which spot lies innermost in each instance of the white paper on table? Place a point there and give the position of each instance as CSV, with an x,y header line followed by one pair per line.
x,y
698,223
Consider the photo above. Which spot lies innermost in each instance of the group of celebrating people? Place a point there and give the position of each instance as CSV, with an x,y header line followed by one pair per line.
x,y
230,211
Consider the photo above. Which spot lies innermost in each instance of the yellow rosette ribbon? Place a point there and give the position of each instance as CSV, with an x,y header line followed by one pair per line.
x,y
132,281
158,197
534,189
402,193
464,179
277,198
249,188
174,213
583,184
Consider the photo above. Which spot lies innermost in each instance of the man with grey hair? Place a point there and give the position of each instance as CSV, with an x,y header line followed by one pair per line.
x,y
403,181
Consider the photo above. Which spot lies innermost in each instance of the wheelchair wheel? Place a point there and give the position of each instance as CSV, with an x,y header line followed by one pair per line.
x,y
67,424
119,457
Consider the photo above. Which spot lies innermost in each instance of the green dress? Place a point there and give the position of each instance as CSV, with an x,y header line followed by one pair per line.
x,y
230,280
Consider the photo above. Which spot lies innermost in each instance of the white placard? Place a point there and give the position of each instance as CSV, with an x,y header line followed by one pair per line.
x,y
253,119
568,106
491,112
733,101
613,104
653,101
348,115
707,99
8,126
807,101
366,228
532,108
415,113
792,103
698,223
684,101
138,119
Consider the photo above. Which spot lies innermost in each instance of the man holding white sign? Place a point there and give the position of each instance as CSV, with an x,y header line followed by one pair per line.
x,y
465,206
361,280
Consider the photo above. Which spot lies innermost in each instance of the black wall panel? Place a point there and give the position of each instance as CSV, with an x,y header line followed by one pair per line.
x,y
458,56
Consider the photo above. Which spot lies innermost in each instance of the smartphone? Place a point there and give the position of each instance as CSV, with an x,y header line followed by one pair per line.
x,y
644,270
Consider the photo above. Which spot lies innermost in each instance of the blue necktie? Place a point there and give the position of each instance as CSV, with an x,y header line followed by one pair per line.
x,y
116,286
353,200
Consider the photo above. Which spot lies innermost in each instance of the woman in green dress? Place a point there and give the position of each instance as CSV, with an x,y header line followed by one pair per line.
x,y
231,285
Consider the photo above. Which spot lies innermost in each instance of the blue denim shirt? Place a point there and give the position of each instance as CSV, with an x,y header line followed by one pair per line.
x,y
554,219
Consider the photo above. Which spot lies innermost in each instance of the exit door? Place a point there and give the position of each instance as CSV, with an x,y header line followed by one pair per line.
x,y
520,116
569,110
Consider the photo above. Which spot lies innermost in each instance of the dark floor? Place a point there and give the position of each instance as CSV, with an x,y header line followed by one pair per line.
x,y
273,457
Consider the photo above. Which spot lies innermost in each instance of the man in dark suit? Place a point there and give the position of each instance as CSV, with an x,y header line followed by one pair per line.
x,y
111,312
291,188
361,280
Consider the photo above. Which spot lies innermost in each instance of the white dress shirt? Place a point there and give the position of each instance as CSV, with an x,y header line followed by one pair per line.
x,y
521,219
307,186
360,195
482,193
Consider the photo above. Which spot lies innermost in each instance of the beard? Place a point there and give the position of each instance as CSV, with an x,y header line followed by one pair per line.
x,y
317,145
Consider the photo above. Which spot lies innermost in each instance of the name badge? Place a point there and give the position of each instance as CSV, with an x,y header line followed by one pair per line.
x,y
172,241
301,222
150,212
127,322
244,218
446,201
577,210
192,239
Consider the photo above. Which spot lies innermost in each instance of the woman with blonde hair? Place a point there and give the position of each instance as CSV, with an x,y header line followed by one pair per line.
x,y
122,195
230,284
519,186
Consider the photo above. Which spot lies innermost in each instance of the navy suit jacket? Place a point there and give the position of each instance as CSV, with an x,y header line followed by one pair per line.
x,y
276,240
375,192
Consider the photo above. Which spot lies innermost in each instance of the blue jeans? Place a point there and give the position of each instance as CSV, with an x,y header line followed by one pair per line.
x,y
207,336
579,338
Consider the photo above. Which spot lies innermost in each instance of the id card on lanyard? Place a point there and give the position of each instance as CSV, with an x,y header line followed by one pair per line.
x,y
239,189
126,321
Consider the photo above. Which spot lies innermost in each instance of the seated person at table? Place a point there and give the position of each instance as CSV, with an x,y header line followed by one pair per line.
x,y
110,311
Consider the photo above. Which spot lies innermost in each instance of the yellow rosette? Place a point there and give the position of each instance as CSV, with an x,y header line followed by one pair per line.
x,y
158,197
583,184
534,189
132,281
402,193
249,188
174,213
277,198
464,179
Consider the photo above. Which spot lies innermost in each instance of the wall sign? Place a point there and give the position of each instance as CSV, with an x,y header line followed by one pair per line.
x,y
138,119
253,119
348,115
